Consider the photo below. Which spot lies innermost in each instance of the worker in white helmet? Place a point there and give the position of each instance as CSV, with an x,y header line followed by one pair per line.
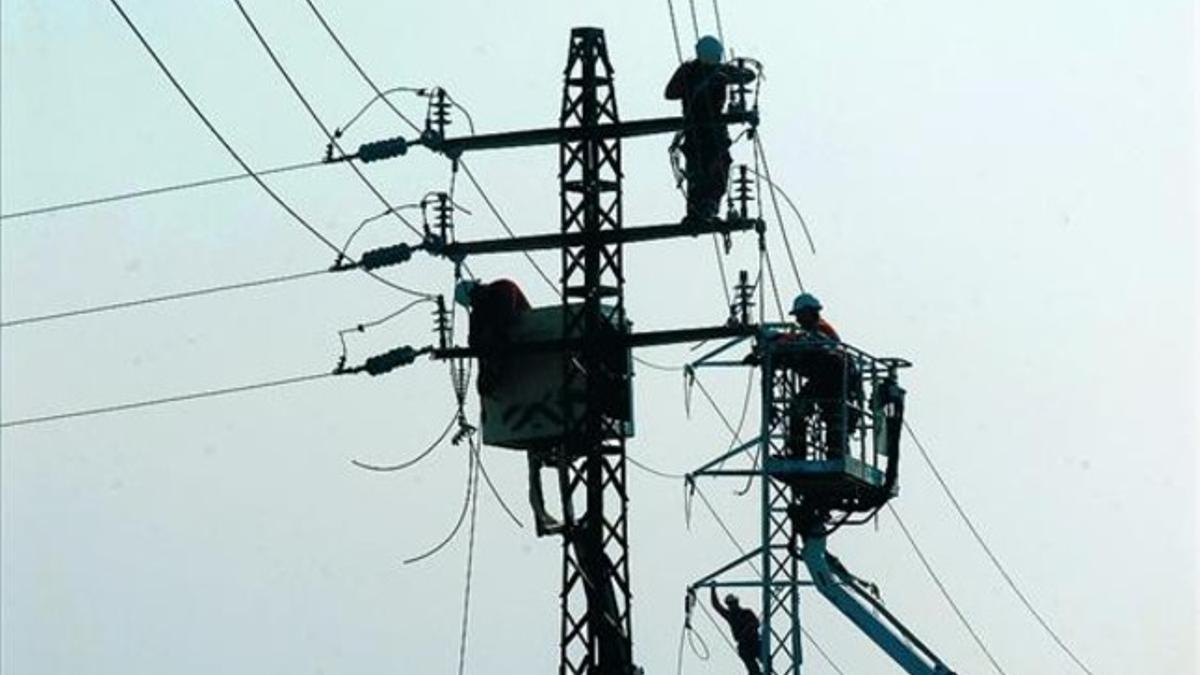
x,y
832,384
744,625
700,85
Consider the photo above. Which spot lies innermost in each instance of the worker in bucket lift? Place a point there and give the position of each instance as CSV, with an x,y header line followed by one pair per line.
x,y
495,308
700,85
831,381
744,626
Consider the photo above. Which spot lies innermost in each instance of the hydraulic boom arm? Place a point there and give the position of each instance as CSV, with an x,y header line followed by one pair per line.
x,y
866,612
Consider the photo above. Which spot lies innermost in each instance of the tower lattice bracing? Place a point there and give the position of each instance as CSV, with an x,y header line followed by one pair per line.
x,y
595,619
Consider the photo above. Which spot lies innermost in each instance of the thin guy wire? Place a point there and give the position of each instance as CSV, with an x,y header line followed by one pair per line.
x,y
945,593
721,269
420,456
159,298
121,407
503,223
233,153
774,284
146,192
317,119
992,556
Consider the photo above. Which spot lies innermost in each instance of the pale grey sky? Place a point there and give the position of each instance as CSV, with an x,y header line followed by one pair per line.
x,y
1002,192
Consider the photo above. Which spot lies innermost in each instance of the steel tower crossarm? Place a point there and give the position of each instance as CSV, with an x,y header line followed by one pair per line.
x,y
455,147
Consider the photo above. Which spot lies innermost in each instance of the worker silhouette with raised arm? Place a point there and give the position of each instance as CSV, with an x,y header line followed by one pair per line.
x,y
744,626
700,85
495,308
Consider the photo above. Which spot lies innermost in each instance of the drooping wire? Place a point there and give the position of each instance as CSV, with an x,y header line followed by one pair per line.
x,y
420,456
487,480
675,30
341,130
371,83
370,219
362,73
462,515
362,327
658,366
812,247
991,555
721,270
503,223
96,309
942,589
653,471
121,407
146,192
787,242
466,611
233,153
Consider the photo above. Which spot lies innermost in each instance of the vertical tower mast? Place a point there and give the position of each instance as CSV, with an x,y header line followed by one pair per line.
x,y
595,623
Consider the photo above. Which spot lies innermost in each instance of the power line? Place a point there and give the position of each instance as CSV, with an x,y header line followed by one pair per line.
x,y
237,157
675,30
945,593
121,407
146,192
379,93
217,134
717,14
992,556
160,298
466,611
316,118
492,207
354,62
759,151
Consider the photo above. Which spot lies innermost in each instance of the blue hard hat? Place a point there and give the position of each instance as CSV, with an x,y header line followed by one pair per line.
x,y
710,50
806,301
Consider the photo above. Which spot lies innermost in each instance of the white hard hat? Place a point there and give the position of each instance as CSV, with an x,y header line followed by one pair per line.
x,y
709,50
806,301
462,291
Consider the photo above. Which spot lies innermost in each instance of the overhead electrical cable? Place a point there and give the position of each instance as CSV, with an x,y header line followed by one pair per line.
x,y
367,78
695,22
990,554
462,515
122,407
675,30
812,247
233,153
787,242
379,92
717,14
492,207
942,589
420,456
146,192
332,139
466,609
96,309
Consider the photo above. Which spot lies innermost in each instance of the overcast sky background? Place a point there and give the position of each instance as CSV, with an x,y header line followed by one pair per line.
x,y
1003,193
